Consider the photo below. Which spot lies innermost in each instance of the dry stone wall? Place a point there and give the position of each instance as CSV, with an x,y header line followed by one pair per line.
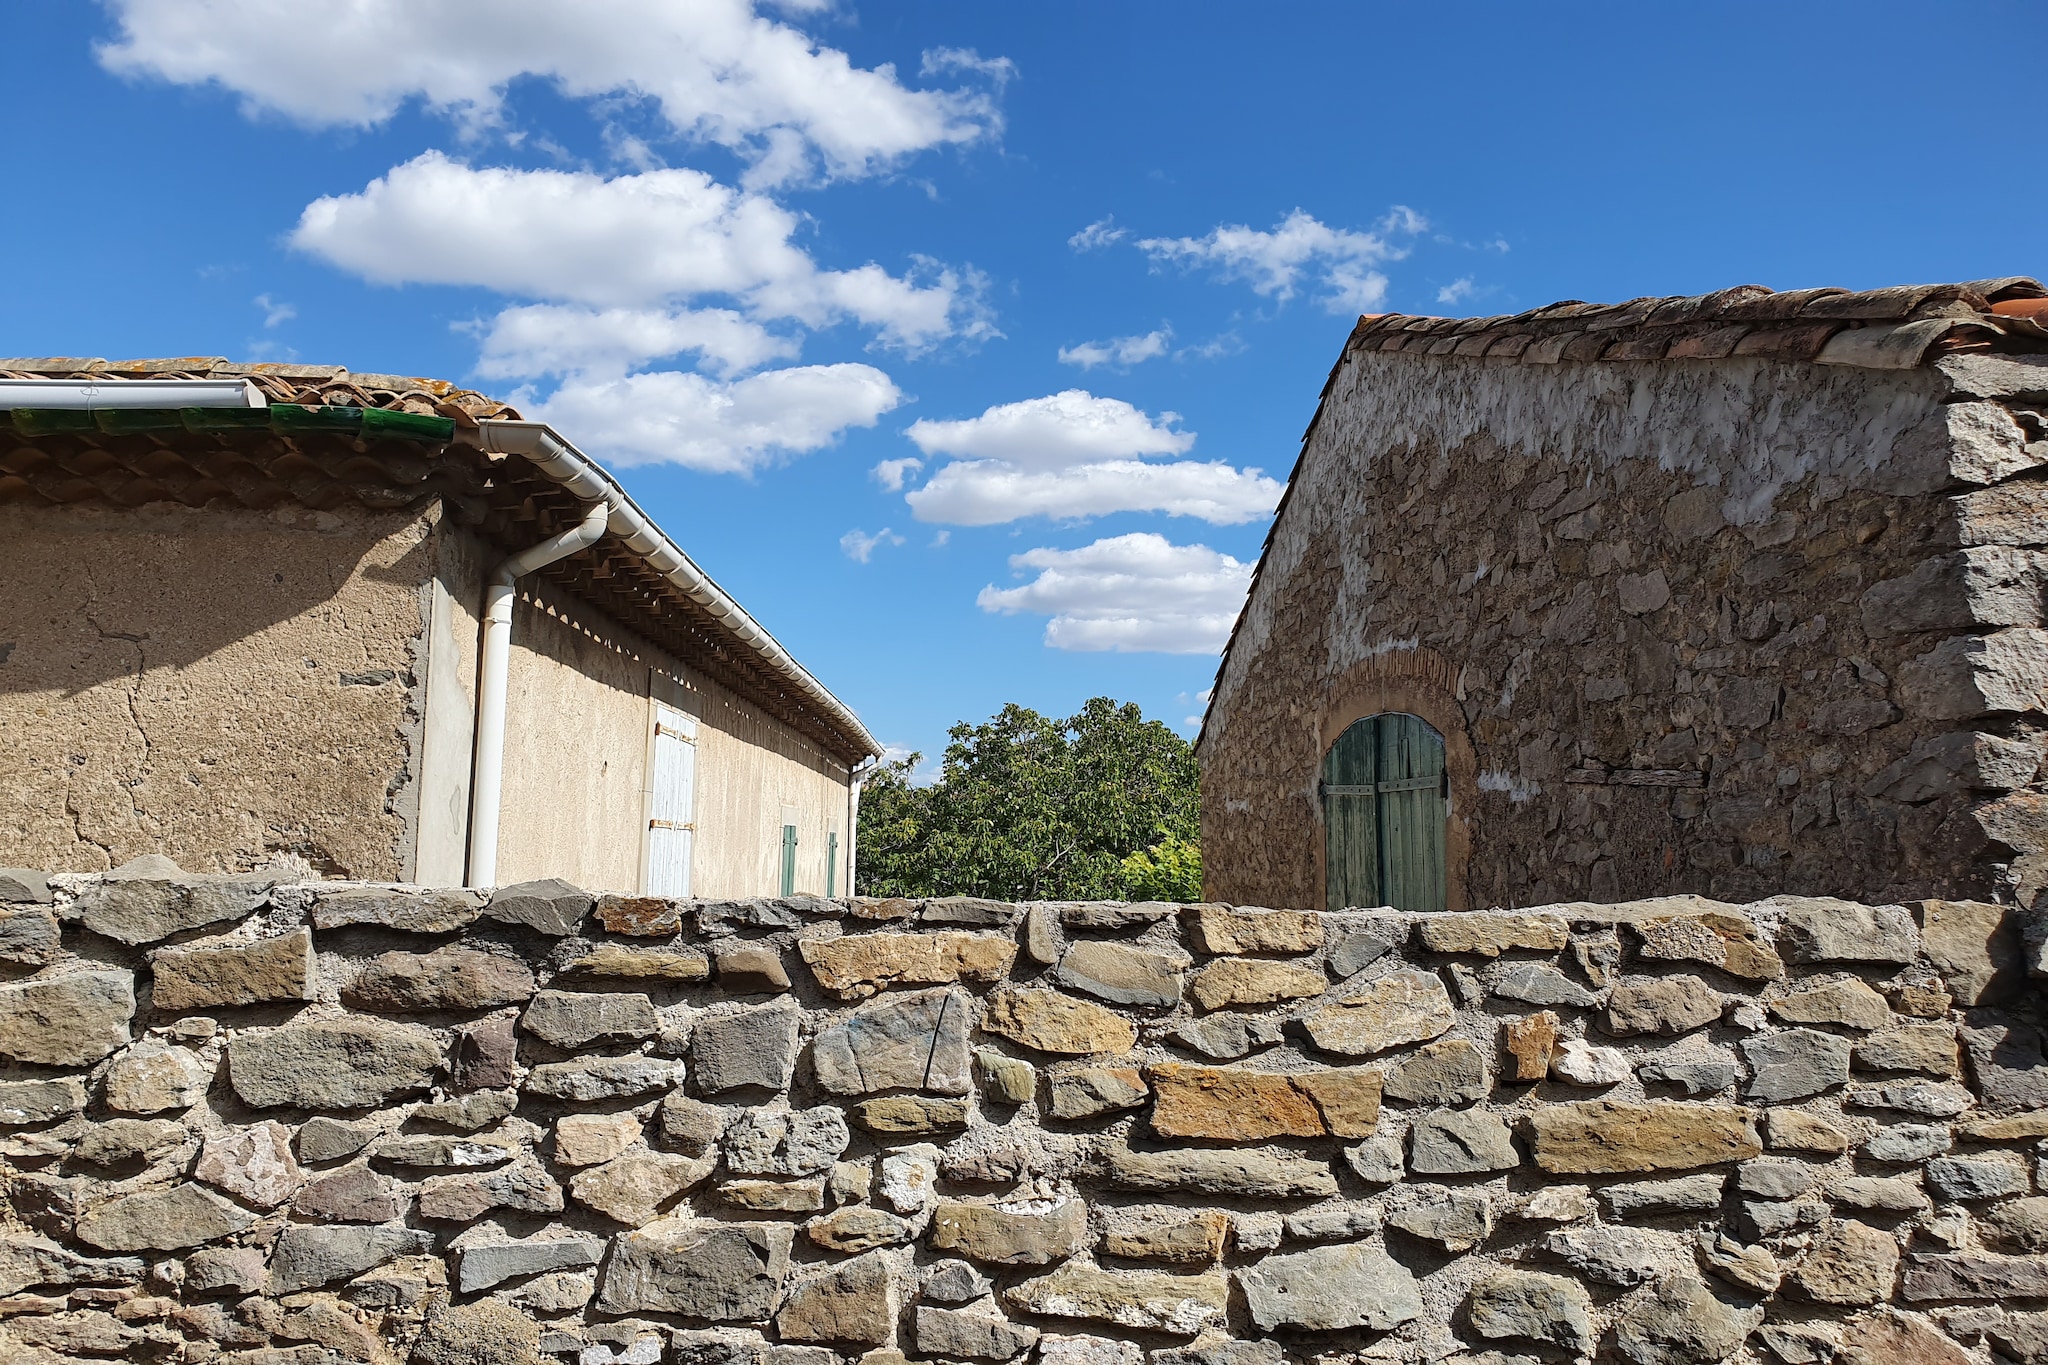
x,y
266,1123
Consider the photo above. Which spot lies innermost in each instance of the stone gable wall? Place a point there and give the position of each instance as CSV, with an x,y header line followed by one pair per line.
x,y
265,1123
1737,627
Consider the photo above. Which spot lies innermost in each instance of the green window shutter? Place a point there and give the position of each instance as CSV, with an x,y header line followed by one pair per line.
x,y
1384,811
831,864
789,860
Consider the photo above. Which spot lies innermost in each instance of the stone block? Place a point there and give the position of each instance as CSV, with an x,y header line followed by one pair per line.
x,y
253,1164
204,976
633,1187
1976,947
616,961
2009,1065
1927,1099
550,906
1680,1322
1821,929
1247,1173
488,1264
1845,1001
1796,1130
69,1020
576,1019
859,1228
1456,1220
1161,1233
1716,938
1239,1105
602,1078
1144,1300
1578,1062
1047,1021
325,1139
153,1076
1795,1064
1404,1006
1449,1072
331,1064
1005,1079
775,1196
1651,1198
41,1101
414,912
161,1220
1908,1142
1930,1049
471,1112
1883,1194
1538,983
485,1055
1331,1289
146,909
1608,1137
856,966
1528,1043
1990,1175
854,1302
1525,1305
719,1272
29,934
521,1187
1619,1256
1238,981
779,1141
446,979
905,1115
1086,1091
353,1194
1848,1263
914,1042
24,886
1666,1006
641,916
1121,974
971,1334
1028,1232
1460,1142
1973,1276
1354,950
1490,934
752,1048
1217,930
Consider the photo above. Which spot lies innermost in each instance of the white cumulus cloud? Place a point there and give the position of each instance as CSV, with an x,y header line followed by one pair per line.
x,y
1122,352
716,71
1055,431
556,339
986,493
1457,291
859,545
1300,251
1136,593
1100,233
891,473
669,417
631,241
1073,455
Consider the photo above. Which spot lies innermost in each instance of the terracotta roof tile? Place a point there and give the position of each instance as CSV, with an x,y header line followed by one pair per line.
x,y
316,385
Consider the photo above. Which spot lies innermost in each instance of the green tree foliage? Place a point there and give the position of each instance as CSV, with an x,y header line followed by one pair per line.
x,y
1032,808
1170,870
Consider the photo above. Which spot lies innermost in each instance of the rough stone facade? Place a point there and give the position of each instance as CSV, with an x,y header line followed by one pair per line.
x,y
1722,619
293,1124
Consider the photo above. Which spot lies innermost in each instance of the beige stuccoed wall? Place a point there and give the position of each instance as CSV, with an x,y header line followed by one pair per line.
x,y
217,685
579,732
750,767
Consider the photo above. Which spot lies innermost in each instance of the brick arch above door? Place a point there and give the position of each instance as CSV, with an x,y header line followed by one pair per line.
x,y
1418,682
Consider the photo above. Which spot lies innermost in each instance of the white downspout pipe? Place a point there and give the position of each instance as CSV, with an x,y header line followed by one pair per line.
x,y
854,778
486,788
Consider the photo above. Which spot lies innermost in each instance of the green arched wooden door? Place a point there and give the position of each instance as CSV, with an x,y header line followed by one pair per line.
x,y
1385,801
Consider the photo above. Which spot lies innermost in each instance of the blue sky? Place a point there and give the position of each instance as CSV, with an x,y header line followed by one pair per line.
x,y
1086,265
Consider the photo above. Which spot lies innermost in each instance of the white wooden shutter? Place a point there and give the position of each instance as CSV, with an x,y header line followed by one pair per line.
x,y
670,829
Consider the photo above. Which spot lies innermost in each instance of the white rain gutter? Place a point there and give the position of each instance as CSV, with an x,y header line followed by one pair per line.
x,y
487,781
131,393
583,478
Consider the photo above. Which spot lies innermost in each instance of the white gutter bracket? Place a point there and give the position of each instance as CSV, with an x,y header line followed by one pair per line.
x,y
487,781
